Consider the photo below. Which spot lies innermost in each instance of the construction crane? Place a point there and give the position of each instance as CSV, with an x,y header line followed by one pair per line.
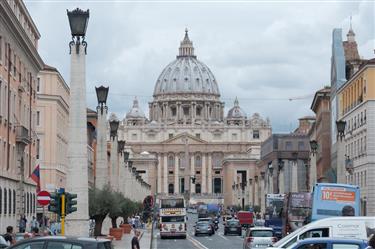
x,y
301,97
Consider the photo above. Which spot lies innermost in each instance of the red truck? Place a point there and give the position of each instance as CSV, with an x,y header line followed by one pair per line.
x,y
246,218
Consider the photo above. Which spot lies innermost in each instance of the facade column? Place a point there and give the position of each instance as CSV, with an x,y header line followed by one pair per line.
x,y
165,174
251,192
294,176
262,194
176,175
77,172
282,181
209,174
159,174
192,173
114,164
203,173
101,149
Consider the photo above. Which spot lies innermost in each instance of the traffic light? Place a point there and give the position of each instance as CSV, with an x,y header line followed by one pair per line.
x,y
55,203
71,202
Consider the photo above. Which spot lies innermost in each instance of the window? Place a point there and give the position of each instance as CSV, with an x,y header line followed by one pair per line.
x,y
288,145
174,111
198,135
186,111
170,188
301,145
217,136
182,185
319,232
171,161
198,172
256,134
38,85
14,202
197,188
10,201
313,246
134,136
198,161
37,148
344,246
1,48
1,200
217,185
199,111
38,118
170,135
170,172
39,245
217,172
173,219
234,136
61,245
34,204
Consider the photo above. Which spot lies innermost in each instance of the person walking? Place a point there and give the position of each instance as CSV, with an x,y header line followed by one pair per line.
x,y
34,223
9,236
22,224
135,240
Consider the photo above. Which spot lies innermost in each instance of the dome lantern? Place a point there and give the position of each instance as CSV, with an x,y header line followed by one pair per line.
x,y
186,47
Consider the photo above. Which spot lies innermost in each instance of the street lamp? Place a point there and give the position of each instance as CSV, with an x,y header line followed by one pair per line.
x,y
78,20
313,146
114,124
126,156
121,145
340,124
270,169
349,165
102,94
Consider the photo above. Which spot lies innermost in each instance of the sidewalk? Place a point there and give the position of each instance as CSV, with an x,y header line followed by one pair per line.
x,y
125,243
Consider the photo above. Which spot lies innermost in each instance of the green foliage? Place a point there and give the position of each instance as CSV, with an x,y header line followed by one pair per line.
x,y
100,201
115,208
256,209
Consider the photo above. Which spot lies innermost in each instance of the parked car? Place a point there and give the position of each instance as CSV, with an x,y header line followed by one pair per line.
x,y
259,237
233,227
3,243
59,242
203,227
210,221
330,243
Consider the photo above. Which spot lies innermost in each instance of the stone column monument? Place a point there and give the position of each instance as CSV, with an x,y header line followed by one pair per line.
x,y
77,172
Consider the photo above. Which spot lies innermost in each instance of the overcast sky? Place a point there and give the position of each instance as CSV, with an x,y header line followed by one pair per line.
x,y
264,52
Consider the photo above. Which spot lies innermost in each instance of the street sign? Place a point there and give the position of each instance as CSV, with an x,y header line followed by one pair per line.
x,y
43,198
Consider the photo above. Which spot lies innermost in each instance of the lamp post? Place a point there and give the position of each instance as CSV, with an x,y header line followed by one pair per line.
x,y
113,125
313,147
77,171
101,149
340,124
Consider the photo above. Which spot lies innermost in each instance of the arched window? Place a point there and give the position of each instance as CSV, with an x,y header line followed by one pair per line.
x,y
5,201
1,200
14,202
10,201
171,161
170,188
198,188
198,161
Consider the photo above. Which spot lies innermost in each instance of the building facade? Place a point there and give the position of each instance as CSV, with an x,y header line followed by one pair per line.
x,y
357,109
198,149
52,118
19,66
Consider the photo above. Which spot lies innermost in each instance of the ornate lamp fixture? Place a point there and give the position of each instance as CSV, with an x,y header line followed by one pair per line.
x,y
102,94
349,165
251,181
281,164
270,169
113,125
121,145
313,146
126,156
78,20
340,125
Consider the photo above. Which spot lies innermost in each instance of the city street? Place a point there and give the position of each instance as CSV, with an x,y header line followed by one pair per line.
x,y
216,241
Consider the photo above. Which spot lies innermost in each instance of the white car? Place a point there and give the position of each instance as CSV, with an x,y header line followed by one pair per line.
x,y
259,237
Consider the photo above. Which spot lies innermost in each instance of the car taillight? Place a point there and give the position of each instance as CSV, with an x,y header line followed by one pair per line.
x,y
249,239
274,239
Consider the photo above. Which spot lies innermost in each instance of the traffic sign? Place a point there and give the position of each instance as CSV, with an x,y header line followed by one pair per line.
x,y
43,198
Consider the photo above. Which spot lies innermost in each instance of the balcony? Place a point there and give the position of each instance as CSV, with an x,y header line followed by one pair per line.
x,y
22,135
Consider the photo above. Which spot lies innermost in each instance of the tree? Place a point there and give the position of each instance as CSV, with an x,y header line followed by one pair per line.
x,y
115,209
100,201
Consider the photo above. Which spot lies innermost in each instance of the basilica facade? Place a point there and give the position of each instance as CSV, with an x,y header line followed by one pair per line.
x,y
187,144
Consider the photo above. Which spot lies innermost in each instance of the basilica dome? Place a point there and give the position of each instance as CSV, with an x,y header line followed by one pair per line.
x,y
236,111
186,74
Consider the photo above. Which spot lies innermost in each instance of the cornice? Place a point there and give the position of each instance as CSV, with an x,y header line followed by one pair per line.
x,y
57,98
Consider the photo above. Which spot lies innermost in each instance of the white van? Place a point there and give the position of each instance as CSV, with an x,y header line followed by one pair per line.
x,y
359,227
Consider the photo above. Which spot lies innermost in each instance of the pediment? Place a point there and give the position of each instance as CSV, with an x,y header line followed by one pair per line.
x,y
181,139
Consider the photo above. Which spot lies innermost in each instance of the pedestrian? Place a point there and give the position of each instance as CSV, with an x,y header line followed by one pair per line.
x,y
34,223
133,222
371,242
35,232
22,224
135,240
9,236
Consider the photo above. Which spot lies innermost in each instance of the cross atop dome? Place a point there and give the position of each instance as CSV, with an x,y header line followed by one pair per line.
x,y
186,46
351,35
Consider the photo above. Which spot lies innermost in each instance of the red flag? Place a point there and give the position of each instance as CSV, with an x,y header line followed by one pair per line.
x,y
36,177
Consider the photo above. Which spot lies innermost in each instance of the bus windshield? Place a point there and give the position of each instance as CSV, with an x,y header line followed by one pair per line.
x,y
166,219
172,203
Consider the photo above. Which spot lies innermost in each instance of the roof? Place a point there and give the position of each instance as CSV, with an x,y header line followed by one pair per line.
x,y
49,68
330,239
325,92
72,239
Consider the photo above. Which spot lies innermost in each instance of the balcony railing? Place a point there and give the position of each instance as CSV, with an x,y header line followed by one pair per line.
x,y
22,135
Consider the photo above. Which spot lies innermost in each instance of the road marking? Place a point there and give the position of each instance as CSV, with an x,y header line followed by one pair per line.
x,y
196,243
223,237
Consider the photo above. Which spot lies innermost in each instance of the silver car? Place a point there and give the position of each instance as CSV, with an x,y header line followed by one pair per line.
x,y
259,237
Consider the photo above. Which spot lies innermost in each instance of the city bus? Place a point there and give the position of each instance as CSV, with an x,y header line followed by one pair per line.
x,y
333,199
272,217
172,217
296,211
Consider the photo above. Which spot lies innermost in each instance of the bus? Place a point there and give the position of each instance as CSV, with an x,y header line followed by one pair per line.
x,y
333,199
172,217
296,211
272,217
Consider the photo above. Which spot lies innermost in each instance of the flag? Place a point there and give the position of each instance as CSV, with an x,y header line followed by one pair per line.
x,y
36,177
